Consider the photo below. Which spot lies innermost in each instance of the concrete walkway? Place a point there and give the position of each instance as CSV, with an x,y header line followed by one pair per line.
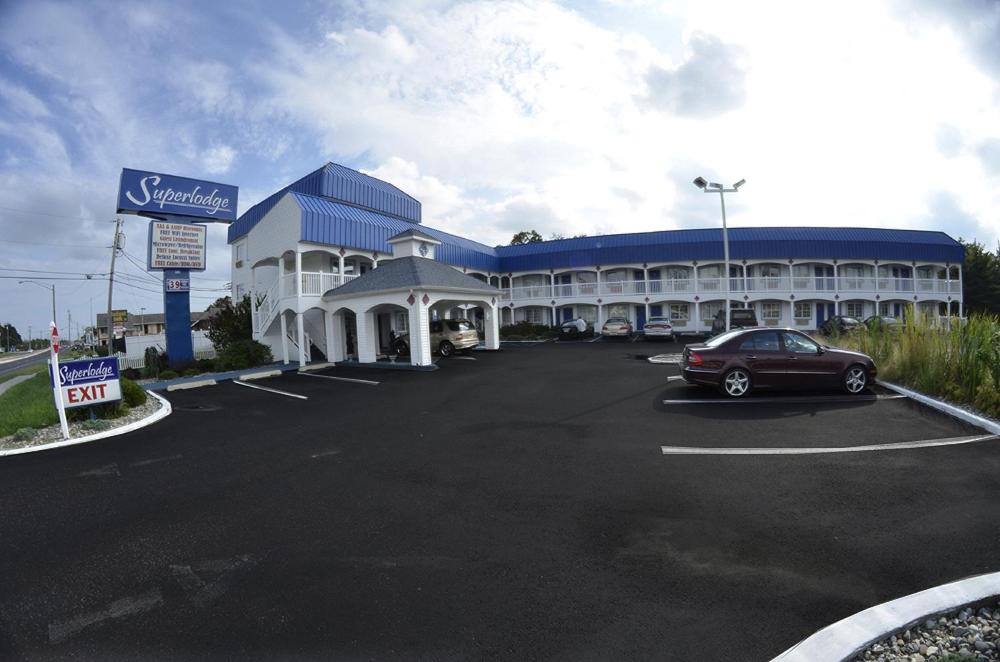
x,y
12,382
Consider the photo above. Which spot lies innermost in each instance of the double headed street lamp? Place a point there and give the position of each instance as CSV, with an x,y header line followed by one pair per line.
x,y
713,187
48,287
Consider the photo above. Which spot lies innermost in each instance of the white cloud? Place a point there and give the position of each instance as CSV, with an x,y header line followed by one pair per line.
x,y
218,159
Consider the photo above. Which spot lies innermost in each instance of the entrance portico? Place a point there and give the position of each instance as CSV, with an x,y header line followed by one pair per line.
x,y
402,291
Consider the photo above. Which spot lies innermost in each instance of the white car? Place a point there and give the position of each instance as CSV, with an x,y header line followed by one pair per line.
x,y
658,327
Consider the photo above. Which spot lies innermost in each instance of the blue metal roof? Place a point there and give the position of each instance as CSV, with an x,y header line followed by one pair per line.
x,y
344,207
337,224
778,243
336,182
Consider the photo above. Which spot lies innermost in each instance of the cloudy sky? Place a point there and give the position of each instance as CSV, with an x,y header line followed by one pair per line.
x,y
563,117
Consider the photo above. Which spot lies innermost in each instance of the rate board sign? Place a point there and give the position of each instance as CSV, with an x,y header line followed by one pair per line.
x,y
176,246
156,194
89,382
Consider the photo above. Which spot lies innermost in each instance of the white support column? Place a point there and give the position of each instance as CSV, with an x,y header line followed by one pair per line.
x,y
696,322
554,322
600,317
281,278
694,273
366,337
600,290
254,322
492,324
284,337
420,334
645,286
340,267
300,338
647,311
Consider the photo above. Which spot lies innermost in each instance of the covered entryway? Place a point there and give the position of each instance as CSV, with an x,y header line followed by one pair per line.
x,y
395,301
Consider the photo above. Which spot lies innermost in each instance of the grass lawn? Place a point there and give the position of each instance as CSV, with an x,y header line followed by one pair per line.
x,y
29,404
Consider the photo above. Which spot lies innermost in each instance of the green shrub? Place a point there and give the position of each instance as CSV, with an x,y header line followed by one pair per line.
x,y
95,425
205,365
526,330
133,394
191,372
242,354
168,374
24,434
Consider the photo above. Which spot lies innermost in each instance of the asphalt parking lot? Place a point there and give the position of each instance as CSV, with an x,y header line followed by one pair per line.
x,y
516,506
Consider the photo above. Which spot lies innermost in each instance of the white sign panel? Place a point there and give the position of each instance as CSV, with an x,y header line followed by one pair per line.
x,y
89,382
177,284
176,246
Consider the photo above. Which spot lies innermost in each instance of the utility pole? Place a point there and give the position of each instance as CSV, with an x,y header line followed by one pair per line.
x,y
69,326
111,284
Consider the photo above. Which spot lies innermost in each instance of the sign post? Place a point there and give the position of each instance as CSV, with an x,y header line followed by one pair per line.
x,y
54,371
176,243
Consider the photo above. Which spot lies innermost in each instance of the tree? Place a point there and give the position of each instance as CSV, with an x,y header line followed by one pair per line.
x,y
981,279
525,237
9,337
230,323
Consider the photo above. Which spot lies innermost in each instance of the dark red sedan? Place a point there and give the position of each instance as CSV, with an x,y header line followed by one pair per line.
x,y
745,359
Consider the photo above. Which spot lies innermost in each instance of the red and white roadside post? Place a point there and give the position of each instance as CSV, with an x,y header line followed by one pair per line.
x,y
56,386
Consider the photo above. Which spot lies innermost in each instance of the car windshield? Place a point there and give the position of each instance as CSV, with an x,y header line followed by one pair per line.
x,y
459,325
723,338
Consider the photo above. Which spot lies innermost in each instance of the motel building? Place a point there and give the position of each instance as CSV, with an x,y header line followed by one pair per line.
x,y
338,263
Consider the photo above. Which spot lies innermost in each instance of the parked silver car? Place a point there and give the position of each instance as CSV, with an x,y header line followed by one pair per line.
x,y
658,327
617,326
446,337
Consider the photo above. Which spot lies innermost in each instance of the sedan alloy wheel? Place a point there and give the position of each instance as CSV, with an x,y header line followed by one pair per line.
x,y
856,379
736,383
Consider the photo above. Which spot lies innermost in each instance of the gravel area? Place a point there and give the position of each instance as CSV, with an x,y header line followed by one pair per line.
x,y
965,634
81,428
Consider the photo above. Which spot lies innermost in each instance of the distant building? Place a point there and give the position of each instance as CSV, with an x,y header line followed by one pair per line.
x,y
148,324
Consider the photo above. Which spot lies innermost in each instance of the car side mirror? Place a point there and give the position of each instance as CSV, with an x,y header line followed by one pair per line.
x,y
820,349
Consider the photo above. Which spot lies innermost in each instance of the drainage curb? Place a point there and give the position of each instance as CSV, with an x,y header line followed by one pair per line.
x,y
950,409
850,636
161,413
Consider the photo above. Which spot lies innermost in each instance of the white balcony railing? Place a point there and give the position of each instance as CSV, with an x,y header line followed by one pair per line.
x,y
715,286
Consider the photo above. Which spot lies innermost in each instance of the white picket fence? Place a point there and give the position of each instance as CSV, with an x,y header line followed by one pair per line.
x,y
139,362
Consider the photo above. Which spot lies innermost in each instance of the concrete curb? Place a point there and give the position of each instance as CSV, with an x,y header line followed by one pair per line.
x,y
187,385
315,366
951,410
260,375
850,636
164,411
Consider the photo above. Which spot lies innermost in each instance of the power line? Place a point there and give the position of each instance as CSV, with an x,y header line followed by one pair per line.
x,y
45,271
45,243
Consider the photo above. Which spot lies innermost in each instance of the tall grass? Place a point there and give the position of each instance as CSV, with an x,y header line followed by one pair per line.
x,y
955,359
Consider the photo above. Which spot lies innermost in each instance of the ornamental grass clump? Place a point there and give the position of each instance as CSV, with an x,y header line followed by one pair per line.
x,y
951,358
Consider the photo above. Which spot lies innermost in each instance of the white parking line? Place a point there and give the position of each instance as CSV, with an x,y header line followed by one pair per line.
x,y
903,445
143,463
341,379
270,390
674,378
788,399
335,451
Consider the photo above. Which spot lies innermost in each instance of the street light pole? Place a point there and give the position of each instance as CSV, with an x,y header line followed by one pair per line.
x,y
48,287
713,187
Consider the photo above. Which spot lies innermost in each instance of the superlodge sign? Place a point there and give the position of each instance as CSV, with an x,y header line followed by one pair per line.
x,y
155,193
89,382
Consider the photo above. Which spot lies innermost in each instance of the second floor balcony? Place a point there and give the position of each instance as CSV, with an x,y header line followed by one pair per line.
x,y
778,285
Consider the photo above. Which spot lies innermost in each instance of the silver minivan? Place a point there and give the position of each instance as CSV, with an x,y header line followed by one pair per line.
x,y
446,337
